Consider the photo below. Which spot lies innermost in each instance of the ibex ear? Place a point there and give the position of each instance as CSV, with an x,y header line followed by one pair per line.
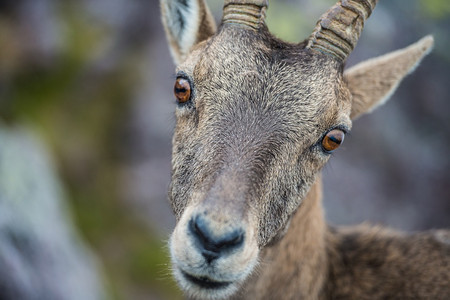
x,y
373,81
187,22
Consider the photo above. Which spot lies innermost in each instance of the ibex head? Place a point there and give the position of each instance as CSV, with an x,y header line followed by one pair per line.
x,y
257,118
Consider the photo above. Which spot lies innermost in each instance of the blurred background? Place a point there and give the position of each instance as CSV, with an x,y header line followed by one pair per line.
x,y
86,117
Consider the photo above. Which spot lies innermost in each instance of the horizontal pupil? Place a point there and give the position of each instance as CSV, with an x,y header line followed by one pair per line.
x,y
335,140
180,90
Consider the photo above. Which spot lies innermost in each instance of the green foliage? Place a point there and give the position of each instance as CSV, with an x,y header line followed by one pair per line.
x,y
436,9
288,23
134,259
79,109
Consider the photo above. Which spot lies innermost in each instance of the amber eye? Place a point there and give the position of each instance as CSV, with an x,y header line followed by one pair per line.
x,y
182,90
332,140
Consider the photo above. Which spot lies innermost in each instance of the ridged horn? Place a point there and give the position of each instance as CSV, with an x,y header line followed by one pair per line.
x,y
338,30
245,13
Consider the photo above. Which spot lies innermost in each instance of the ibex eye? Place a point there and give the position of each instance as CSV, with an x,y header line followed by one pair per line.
x,y
332,140
182,90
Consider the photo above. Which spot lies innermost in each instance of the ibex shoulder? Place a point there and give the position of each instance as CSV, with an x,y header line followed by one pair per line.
x,y
374,262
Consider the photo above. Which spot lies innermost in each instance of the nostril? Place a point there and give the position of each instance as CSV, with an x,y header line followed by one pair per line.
x,y
213,244
199,229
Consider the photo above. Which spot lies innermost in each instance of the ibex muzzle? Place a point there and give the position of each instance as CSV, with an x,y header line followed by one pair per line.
x,y
257,118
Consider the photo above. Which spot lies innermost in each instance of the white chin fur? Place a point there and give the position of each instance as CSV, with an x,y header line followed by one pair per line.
x,y
233,270
218,279
198,292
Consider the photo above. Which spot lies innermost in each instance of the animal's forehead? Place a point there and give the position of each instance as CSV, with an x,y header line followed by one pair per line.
x,y
240,52
247,69
238,58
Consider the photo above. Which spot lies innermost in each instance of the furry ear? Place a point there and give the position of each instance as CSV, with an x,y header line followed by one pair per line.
x,y
186,22
373,81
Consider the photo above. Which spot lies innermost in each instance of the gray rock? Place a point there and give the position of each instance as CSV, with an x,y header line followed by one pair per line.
x,y
41,254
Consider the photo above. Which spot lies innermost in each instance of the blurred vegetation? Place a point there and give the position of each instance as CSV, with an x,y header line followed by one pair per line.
x,y
437,9
79,106
77,91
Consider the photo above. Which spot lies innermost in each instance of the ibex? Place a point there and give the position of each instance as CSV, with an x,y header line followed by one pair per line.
x,y
257,119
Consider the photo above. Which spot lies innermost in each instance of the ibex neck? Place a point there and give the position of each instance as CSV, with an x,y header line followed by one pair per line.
x,y
296,267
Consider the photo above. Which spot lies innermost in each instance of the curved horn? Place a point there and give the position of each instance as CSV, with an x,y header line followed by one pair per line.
x,y
246,13
338,30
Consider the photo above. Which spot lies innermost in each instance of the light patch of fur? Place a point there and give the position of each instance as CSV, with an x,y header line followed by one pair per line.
x,y
373,81
184,34
181,38
443,236
192,20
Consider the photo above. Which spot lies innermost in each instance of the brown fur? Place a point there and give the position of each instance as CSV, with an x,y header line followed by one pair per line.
x,y
362,262
246,164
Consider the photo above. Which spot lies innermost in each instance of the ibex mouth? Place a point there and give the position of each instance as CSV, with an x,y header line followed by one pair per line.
x,y
211,257
205,282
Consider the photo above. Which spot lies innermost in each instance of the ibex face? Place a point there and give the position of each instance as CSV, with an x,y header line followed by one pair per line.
x,y
247,146
257,119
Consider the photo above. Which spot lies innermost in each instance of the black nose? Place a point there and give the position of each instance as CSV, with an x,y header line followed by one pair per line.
x,y
213,246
